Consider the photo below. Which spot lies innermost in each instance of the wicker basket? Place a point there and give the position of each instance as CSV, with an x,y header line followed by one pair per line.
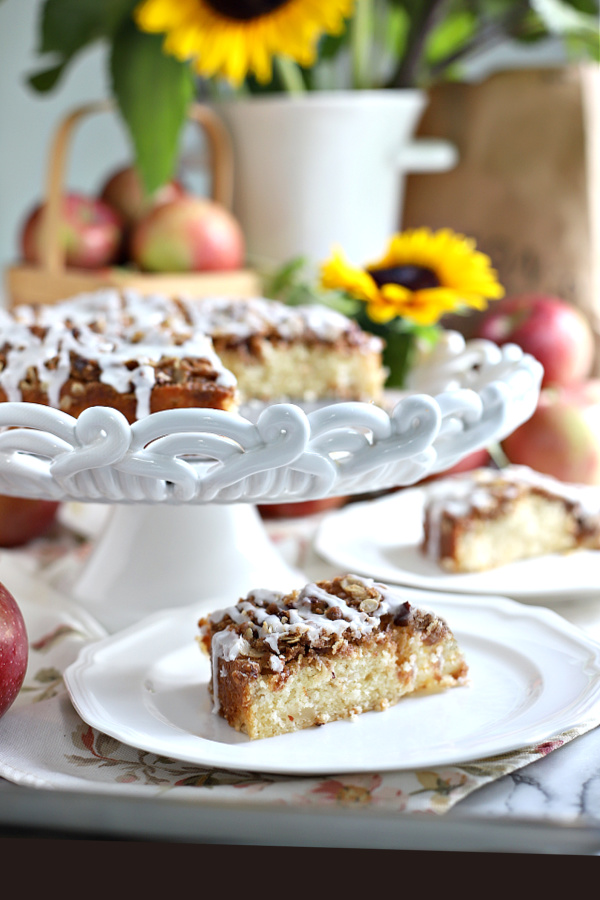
x,y
51,280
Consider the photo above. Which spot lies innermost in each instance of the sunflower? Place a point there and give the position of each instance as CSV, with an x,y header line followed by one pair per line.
x,y
234,38
422,276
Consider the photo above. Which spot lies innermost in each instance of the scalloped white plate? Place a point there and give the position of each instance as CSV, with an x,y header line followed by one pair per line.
x,y
381,538
533,675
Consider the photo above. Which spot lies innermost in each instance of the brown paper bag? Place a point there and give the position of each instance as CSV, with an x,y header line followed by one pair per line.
x,y
526,186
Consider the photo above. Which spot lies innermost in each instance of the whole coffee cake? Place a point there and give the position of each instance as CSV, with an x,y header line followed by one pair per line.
x,y
141,354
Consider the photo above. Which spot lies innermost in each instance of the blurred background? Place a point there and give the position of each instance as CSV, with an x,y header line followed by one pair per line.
x,y
28,119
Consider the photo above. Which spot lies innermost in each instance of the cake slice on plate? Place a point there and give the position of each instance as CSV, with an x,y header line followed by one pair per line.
x,y
332,650
487,518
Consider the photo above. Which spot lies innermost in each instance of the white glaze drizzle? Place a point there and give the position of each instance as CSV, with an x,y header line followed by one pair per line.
x,y
228,644
241,318
109,328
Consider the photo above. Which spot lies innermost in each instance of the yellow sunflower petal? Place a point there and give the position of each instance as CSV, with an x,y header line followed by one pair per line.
x,y
219,44
157,15
427,307
464,274
389,303
338,275
381,312
394,295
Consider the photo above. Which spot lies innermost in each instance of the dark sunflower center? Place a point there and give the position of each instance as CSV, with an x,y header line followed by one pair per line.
x,y
245,10
415,278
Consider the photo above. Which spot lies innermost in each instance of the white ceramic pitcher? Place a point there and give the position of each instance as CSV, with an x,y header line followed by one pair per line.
x,y
326,168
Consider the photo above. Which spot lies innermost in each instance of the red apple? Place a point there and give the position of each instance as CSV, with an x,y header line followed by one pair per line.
x,y
190,234
23,519
562,438
91,233
302,508
553,331
14,649
124,191
475,460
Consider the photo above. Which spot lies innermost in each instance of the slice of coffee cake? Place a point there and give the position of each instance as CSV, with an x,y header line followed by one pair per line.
x,y
486,518
136,354
332,650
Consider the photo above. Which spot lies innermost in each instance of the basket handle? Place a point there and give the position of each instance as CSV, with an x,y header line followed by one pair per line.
x,y
220,163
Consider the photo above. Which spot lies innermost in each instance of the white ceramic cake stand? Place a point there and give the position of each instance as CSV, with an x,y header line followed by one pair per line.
x,y
184,484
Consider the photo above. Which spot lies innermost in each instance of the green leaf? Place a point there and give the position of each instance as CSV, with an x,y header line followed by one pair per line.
x,y
450,35
398,23
586,6
286,276
331,44
153,92
66,27
583,46
69,25
47,79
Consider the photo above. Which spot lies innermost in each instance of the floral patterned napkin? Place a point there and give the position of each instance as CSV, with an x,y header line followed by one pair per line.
x,y
45,744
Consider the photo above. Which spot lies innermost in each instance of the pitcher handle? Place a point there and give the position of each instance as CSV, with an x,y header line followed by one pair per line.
x,y
427,155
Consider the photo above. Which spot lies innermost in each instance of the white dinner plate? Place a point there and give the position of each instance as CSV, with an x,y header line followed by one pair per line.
x,y
532,675
381,538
